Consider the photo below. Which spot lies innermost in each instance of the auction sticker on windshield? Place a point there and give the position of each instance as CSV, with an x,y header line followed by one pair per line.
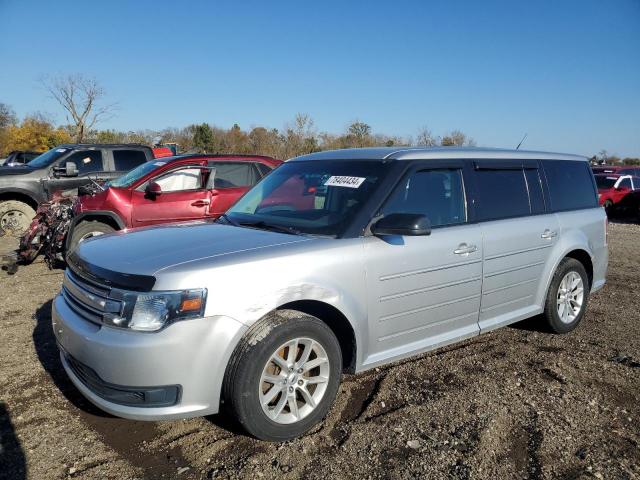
x,y
349,182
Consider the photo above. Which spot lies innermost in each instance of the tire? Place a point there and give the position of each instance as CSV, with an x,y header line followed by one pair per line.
x,y
608,206
15,217
245,391
559,319
85,230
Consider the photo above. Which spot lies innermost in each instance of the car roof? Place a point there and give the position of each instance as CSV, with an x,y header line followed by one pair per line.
x,y
226,156
425,153
102,145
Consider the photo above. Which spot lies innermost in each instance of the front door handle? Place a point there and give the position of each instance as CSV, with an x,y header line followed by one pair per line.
x,y
548,234
201,203
464,249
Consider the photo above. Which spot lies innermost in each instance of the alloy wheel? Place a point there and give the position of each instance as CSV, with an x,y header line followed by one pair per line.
x,y
294,380
570,296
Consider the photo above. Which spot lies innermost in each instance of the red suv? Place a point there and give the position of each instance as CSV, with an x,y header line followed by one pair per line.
x,y
174,189
615,190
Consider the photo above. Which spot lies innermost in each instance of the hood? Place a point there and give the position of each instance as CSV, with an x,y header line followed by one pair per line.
x,y
15,170
145,251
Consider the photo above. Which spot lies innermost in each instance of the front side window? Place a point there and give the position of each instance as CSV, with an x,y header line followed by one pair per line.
x,y
501,194
437,194
625,183
125,160
319,197
180,180
87,161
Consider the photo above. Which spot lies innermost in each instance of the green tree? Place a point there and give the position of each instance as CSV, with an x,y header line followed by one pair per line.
x,y
203,138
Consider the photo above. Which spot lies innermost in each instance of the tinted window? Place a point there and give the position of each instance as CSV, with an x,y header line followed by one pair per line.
x,y
125,160
438,194
233,175
264,170
570,184
605,182
625,183
501,194
87,161
534,184
180,180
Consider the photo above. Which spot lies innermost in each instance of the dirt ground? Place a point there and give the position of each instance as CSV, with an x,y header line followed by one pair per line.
x,y
515,403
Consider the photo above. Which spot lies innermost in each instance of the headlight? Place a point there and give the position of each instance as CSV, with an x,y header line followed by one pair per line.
x,y
152,311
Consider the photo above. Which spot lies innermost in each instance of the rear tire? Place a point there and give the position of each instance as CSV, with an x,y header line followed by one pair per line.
x,y
15,217
85,230
277,400
567,297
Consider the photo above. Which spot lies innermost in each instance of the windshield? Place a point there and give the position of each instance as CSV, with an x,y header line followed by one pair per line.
x,y
47,158
605,182
140,171
315,197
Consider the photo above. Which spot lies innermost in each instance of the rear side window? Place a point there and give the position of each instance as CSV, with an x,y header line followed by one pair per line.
x,y
438,194
87,161
501,194
125,160
570,184
233,175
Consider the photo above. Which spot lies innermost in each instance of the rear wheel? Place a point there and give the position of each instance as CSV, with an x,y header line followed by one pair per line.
x,y
283,377
567,297
15,217
86,230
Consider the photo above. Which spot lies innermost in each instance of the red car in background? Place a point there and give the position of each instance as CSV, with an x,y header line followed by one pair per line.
x,y
172,189
615,191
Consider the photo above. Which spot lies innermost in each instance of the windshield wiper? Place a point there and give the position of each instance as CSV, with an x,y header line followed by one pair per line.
x,y
262,225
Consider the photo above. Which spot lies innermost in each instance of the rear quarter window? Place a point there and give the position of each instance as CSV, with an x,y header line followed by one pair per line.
x,y
570,185
125,160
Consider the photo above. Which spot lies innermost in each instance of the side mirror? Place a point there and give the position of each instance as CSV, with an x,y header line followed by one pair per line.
x,y
153,189
70,169
410,224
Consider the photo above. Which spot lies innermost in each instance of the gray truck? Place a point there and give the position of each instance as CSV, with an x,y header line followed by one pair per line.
x,y
65,167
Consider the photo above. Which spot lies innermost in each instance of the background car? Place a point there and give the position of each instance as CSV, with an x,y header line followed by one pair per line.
x,y
18,157
173,189
64,167
613,190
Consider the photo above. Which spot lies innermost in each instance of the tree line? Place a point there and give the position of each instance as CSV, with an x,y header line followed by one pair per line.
x,y
82,99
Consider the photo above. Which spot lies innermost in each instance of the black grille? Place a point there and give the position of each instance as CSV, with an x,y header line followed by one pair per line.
x,y
164,396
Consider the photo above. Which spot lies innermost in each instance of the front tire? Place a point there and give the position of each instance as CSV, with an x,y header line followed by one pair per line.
x,y
283,376
86,230
567,297
15,217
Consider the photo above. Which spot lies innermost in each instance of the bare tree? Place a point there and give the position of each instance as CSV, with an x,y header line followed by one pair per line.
x,y
81,98
425,138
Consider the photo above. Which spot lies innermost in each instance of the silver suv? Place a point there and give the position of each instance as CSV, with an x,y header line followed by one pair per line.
x,y
336,262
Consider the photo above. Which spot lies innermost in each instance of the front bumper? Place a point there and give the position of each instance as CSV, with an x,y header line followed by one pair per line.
x,y
113,367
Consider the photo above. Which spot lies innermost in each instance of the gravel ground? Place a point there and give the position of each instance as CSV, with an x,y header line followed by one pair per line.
x,y
515,403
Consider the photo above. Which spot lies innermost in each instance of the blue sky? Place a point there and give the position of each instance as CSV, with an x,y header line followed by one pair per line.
x,y
565,72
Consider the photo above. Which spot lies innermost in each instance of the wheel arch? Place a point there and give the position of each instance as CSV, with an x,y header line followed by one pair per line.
x,y
20,196
106,217
336,321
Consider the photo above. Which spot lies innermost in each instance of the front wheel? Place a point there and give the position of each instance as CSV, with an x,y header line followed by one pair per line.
x,y
15,217
567,297
85,230
283,376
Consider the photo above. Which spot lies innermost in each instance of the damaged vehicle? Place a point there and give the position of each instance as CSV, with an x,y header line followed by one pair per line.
x,y
336,262
172,189
65,167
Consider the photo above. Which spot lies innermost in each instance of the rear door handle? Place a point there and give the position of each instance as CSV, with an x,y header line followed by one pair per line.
x,y
548,234
200,203
464,249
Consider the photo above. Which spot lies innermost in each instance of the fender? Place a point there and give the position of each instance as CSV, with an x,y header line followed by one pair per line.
x,y
35,196
92,213
569,241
